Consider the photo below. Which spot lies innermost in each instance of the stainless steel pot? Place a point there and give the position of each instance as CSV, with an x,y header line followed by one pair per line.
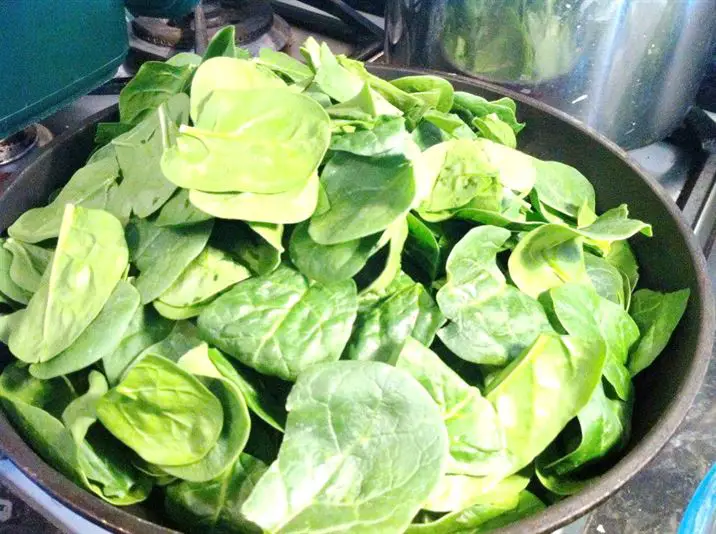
x,y
628,68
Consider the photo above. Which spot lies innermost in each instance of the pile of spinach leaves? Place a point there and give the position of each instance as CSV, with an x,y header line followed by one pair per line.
x,y
297,297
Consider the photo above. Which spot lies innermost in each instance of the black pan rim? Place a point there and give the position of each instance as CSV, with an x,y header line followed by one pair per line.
x,y
115,519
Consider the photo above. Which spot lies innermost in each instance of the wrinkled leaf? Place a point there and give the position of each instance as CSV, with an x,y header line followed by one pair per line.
x,y
386,419
280,324
359,208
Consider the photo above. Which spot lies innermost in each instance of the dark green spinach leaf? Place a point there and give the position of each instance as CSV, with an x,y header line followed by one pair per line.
x,y
387,419
280,324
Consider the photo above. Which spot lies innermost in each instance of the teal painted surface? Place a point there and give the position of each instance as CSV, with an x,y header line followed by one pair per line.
x,y
161,8
52,52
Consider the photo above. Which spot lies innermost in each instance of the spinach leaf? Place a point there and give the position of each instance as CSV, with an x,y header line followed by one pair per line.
x,y
287,207
422,250
258,246
471,106
179,211
330,76
280,324
8,323
258,141
458,492
464,173
179,313
269,233
562,187
215,506
314,92
429,319
154,84
516,170
615,225
29,263
510,214
606,279
494,129
255,388
387,138
547,257
527,505
228,73
604,428
39,224
426,134
359,208
472,272
532,413
210,273
90,258
386,419
284,65
223,43
395,234
166,415
81,413
413,107
8,286
621,256
494,330
467,521
144,330
109,471
552,253
363,109
475,438
583,313
657,315
233,437
183,338
330,263
427,84
449,123
51,395
185,58
107,467
99,340
381,331
35,406
106,131
139,153
162,253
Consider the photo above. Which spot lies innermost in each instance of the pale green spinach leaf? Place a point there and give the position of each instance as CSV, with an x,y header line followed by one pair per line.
x,y
166,415
90,258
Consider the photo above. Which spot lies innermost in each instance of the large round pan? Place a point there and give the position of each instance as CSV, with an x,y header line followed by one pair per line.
x,y
670,260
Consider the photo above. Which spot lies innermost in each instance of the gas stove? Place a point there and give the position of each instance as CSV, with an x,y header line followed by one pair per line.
x,y
256,25
684,164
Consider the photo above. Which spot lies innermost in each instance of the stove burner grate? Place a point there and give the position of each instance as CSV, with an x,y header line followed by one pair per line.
x,y
17,145
254,20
